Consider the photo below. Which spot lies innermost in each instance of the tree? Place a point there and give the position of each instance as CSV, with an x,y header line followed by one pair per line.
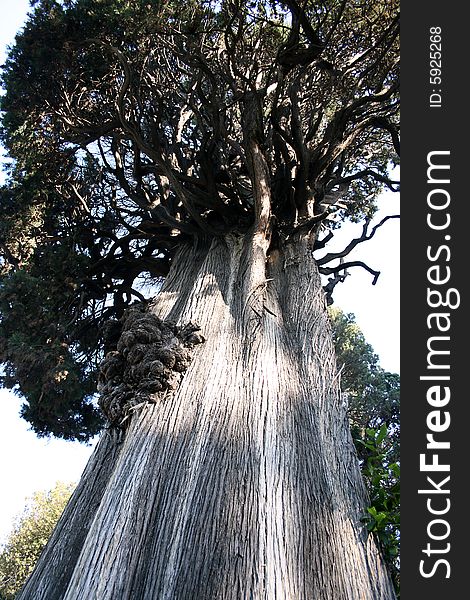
x,y
30,534
373,394
373,397
206,147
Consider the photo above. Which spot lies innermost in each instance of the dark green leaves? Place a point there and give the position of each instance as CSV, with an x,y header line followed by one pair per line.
x,y
131,127
382,476
40,350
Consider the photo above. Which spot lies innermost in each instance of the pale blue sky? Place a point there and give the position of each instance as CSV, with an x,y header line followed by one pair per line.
x,y
30,464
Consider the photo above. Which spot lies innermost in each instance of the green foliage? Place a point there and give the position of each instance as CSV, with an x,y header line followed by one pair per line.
x,y
40,358
382,475
373,393
130,127
30,534
373,410
49,304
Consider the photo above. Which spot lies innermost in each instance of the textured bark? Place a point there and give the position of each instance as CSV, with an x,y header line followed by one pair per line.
x,y
55,567
243,483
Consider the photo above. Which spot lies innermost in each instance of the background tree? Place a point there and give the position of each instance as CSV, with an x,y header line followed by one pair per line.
x,y
373,397
373,394
30,534
205,147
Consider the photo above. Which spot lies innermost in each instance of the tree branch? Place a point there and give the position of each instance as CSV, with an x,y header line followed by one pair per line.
x,y
347,265
362,238
364,173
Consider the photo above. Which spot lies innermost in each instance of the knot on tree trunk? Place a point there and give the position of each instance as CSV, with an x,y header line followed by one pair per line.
x,y
147,364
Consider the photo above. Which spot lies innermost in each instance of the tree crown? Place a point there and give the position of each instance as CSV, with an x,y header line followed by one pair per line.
x,y
134,127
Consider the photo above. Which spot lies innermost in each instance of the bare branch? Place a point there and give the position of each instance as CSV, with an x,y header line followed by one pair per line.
x,y
319,244
332,283
299,13
347,265
366,173
362,238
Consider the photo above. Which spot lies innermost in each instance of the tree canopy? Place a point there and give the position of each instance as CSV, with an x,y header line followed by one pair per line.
x,y
134,127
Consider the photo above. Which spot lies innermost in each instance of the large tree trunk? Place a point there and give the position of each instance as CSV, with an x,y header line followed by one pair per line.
x,y
243,483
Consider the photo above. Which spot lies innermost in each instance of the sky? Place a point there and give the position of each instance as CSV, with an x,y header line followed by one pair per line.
x,y
29,464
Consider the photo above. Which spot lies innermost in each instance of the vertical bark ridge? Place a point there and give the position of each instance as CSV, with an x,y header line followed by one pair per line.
x,y
52,574
244,484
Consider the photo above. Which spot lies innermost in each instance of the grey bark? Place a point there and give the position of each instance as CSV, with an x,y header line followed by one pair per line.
x,y
243,483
